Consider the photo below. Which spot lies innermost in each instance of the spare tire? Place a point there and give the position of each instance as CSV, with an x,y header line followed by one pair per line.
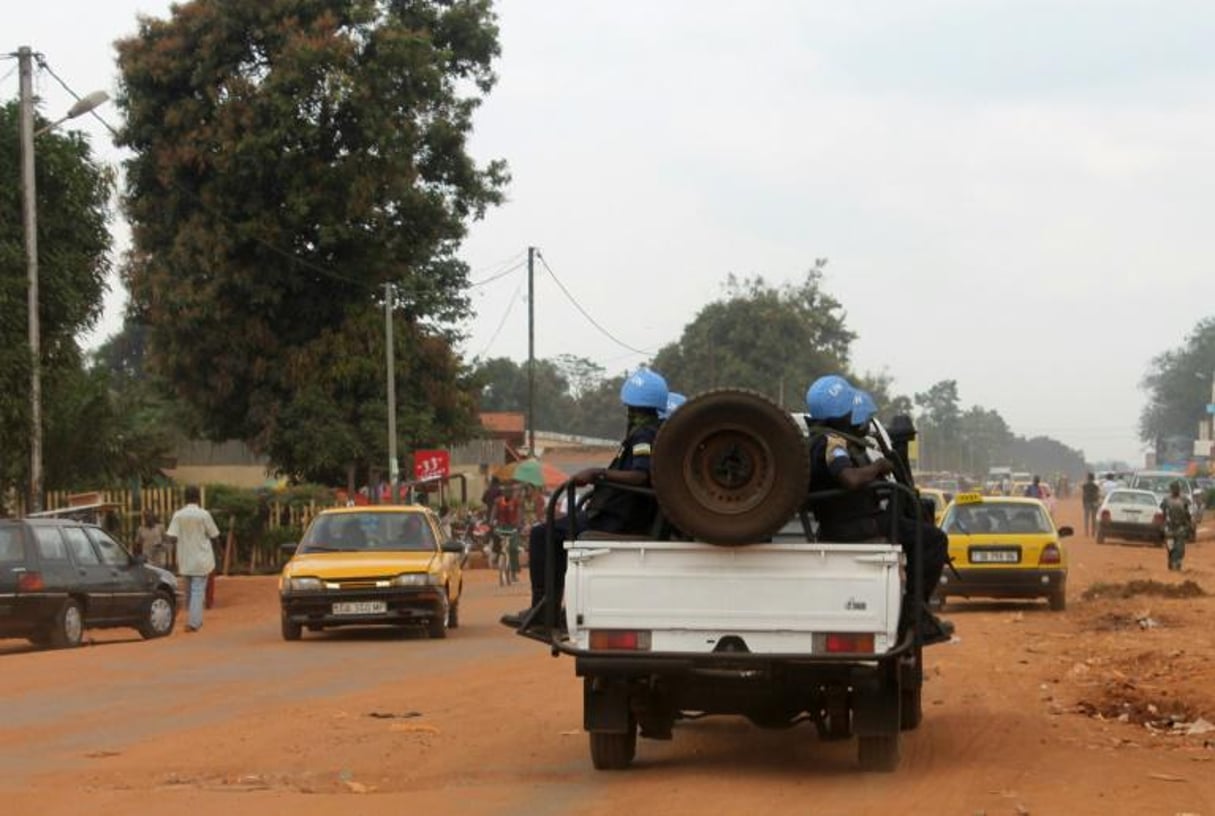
x,y
730,467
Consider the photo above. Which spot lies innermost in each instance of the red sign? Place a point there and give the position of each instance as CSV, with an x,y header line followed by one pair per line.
x,y
431,464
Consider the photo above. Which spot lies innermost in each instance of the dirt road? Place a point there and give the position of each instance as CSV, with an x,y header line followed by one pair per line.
x,y
1097,709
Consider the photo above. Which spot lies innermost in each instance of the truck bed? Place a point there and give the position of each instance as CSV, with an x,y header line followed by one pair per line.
x,y
775,598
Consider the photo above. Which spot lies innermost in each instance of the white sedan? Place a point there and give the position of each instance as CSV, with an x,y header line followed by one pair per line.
x,y
1130,514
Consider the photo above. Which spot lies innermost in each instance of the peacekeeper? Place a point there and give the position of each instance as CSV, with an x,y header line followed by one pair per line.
x,y
840,459
644,395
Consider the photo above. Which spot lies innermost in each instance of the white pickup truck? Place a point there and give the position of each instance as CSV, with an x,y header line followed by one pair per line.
x,y
774,626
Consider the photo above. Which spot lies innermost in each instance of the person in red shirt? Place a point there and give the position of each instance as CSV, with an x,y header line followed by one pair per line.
x,y
507,512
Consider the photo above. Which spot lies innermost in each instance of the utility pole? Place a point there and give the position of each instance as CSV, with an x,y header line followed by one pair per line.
x,y
393,468
531,351
25,58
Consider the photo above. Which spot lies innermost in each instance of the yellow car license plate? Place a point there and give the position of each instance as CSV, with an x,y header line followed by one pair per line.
x,y
360,607
994,556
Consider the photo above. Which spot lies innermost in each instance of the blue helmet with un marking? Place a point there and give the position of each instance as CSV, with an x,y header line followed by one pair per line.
x,y
674,400
830,397
645,389
863,408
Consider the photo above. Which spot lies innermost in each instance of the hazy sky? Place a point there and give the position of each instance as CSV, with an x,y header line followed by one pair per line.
x,y
1011,194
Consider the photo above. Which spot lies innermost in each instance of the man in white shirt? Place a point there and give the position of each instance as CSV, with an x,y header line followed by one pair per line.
x,y
192,530
1109,485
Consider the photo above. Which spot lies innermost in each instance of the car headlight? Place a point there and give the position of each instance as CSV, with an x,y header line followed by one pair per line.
x,y
415,579
305,584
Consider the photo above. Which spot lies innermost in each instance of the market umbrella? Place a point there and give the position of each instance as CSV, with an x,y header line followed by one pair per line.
x,y
533,472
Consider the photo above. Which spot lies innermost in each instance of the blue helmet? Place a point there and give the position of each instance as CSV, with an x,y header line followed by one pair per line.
x,y
830,397
674,400
645,389
863,408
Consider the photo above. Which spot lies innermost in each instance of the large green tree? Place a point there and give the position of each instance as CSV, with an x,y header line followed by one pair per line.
x,y
290,158
774,339
73,193
1178,386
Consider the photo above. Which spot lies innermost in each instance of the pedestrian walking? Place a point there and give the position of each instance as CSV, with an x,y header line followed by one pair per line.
x,y
191,532
1090,498
1177,525
150,540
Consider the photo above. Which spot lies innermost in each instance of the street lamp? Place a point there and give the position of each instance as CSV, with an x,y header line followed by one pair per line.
x,y
29,214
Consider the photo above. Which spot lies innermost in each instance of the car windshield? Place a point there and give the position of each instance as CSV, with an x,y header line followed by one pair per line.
x,y
356,532
1128,497
997,517
1157,483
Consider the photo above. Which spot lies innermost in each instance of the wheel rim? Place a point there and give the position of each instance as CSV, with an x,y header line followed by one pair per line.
x,y
729,471
160,616
73,624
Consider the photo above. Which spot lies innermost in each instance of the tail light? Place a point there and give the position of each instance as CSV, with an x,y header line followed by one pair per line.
x,y
1105,515
30,582
844,642
1158,519
1050,555
619,640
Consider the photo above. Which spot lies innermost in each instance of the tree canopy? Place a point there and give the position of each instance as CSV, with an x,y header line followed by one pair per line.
x,y
291,157
73,192
774,339
1178,386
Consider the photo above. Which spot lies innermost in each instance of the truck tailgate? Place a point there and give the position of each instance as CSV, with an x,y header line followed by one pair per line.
x,y
771,598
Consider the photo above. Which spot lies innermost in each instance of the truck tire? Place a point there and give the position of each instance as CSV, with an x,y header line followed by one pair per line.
x,y
730,467
613,751
1057,600
911,692
878,753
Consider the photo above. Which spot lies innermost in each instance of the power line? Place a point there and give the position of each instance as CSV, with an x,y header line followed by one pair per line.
x,y
498,264
10,72
509,307
585,314
495,277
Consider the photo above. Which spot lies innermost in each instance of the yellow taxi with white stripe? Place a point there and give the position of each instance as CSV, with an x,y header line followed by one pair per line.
x,y
380,565
1004,547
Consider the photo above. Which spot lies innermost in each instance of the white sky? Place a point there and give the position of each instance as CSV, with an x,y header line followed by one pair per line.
x,y
1011,194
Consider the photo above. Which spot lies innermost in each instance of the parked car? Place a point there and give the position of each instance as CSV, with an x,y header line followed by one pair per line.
x,y
1004,548
1131,514
59,577
379,565
1158,482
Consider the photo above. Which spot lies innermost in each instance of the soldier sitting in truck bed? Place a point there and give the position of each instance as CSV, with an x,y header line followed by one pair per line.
x,y
839,414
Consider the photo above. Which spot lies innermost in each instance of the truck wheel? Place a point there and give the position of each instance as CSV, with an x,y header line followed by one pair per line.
x,y
911,693
730,467
1057,601
613,751
878,753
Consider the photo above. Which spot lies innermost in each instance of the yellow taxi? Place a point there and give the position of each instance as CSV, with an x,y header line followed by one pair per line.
x,y
940,500
1004,547
379,565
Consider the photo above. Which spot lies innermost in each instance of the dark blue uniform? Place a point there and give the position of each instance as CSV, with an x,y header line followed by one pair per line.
x,y
857,515
609,509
